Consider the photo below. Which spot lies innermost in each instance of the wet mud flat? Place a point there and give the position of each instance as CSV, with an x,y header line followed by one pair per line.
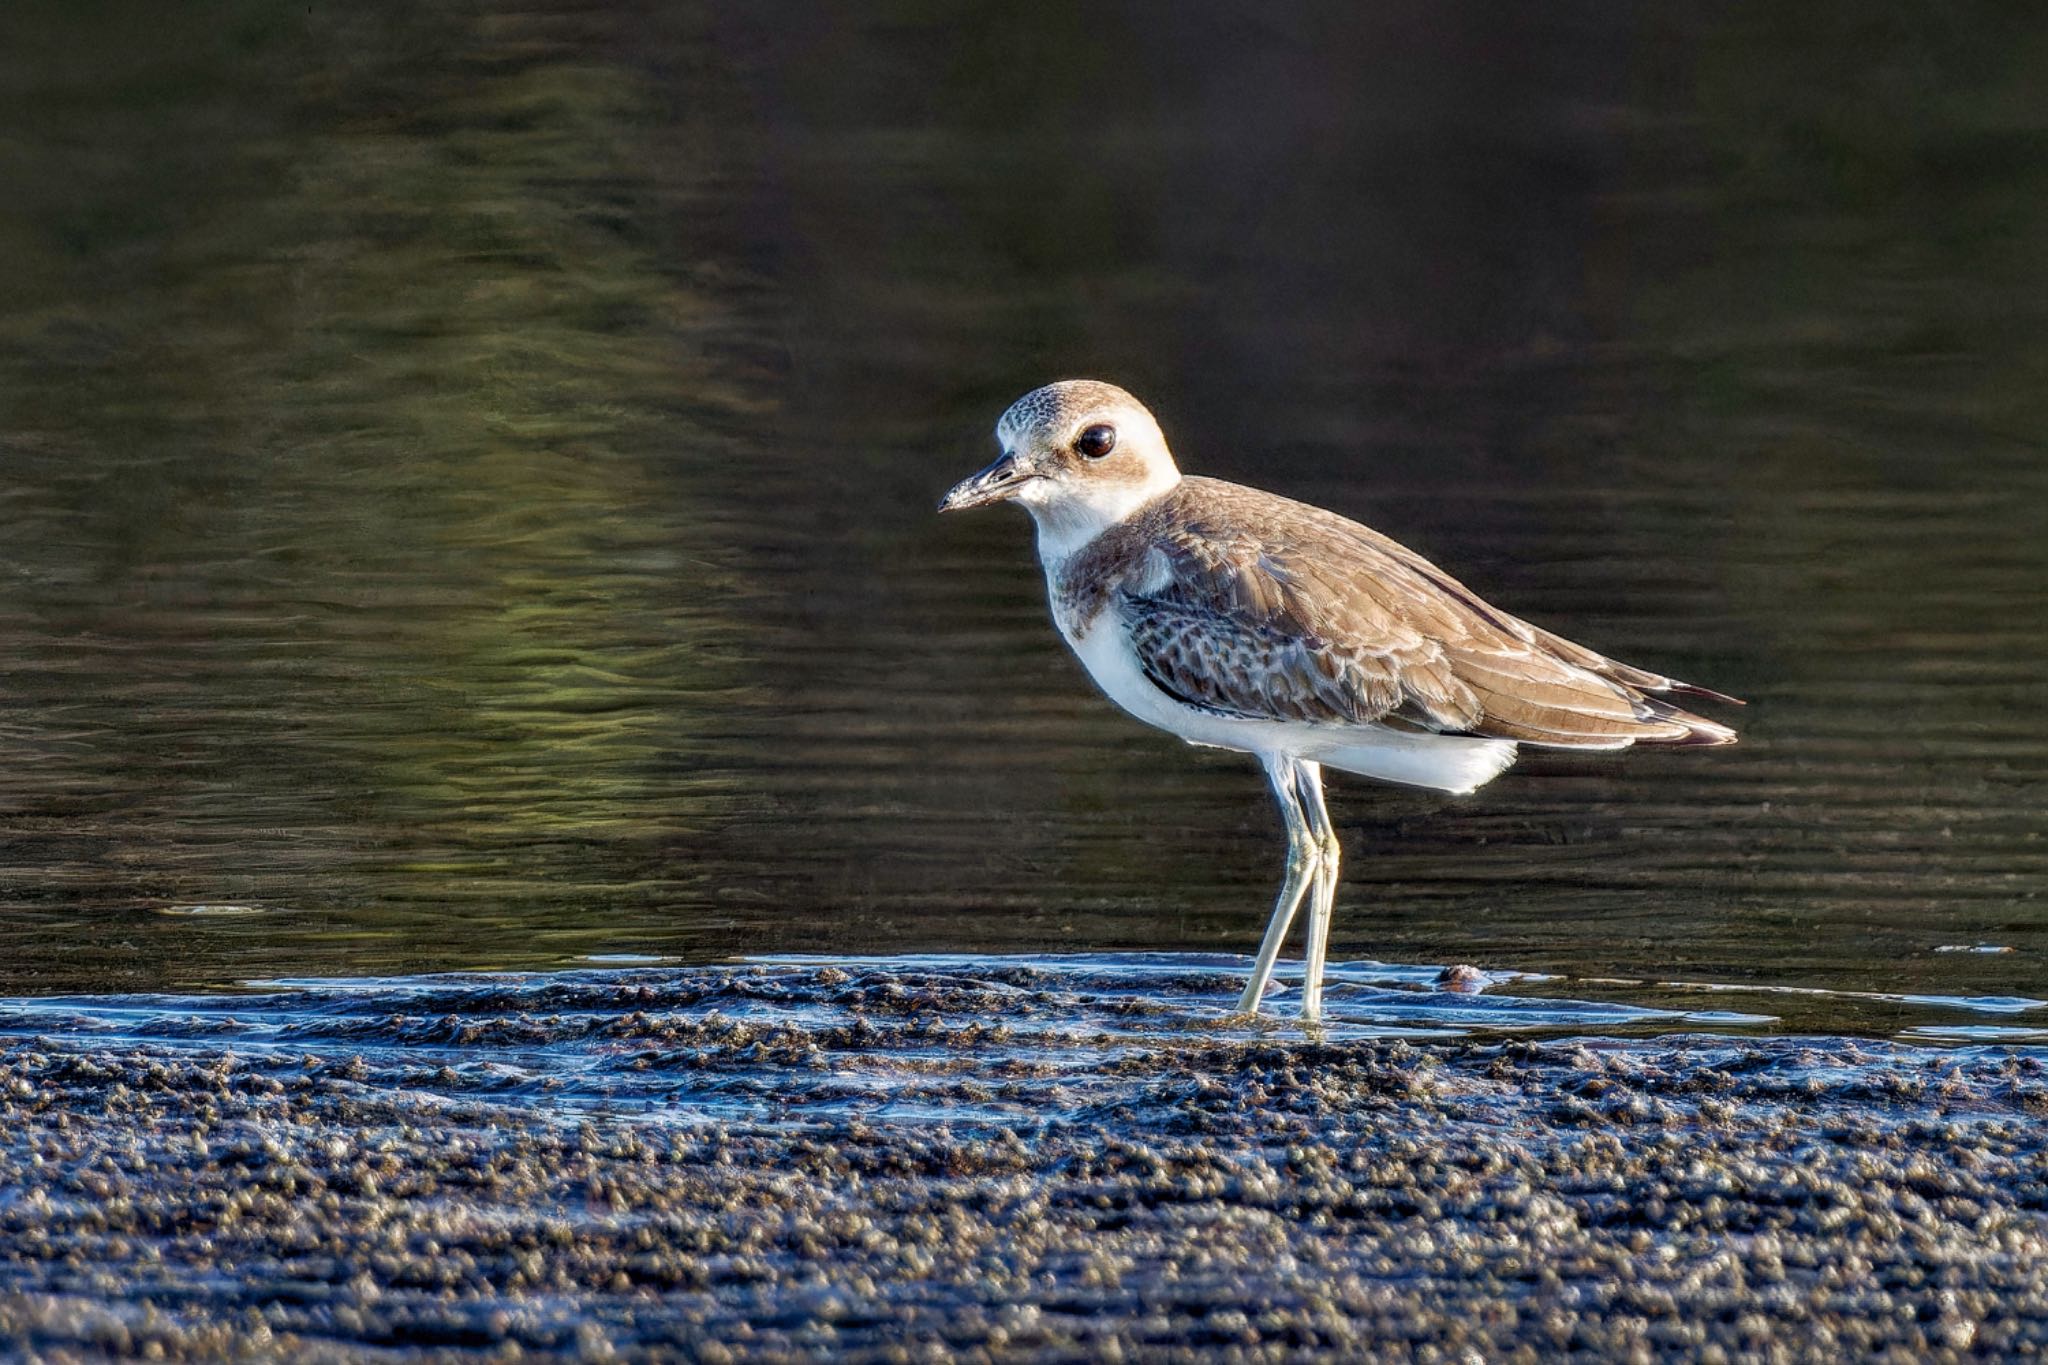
x,y
889,1162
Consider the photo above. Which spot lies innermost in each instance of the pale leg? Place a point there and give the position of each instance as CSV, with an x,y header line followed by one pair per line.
x,y
1302,861
1323,894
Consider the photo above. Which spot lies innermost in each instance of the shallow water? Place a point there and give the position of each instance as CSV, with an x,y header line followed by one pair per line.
x,y
466,481
975,1041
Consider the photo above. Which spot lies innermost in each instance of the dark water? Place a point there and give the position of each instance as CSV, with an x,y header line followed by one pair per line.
x,y
466,478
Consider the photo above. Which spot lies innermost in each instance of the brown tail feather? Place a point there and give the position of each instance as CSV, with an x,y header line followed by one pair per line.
x,y
1699,731
1577,708
1641,679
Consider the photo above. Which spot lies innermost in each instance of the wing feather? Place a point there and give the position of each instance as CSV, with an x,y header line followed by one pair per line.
x,y
1273,609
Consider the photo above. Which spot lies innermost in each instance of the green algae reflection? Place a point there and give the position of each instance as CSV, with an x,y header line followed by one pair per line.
x,y
338,435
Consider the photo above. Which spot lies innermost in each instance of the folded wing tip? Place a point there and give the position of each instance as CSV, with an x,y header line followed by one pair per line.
x,y
1704,693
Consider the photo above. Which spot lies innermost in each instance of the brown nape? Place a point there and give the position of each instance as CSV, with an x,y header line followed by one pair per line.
x,y
1274,609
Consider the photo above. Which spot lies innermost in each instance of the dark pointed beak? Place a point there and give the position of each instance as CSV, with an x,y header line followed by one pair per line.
x,y
998,483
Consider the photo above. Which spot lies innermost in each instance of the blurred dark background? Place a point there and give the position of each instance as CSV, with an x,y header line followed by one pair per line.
x,y
466,471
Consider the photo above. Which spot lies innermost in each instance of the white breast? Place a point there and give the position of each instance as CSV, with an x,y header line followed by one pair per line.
x,y
1104,649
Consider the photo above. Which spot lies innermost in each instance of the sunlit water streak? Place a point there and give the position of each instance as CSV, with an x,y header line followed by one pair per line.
x,y
923,1039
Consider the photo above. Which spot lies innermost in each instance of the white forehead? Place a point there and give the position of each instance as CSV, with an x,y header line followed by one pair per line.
x,y
1050,411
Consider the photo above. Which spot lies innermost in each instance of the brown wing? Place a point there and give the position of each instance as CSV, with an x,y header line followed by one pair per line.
x,y
1274,609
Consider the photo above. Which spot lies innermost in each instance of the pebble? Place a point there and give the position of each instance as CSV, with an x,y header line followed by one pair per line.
x,y
885,1177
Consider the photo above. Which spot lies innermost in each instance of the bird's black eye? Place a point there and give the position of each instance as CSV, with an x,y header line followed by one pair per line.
x,y
1096,441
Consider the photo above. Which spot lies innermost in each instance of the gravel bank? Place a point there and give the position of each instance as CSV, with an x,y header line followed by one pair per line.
x,y
878,1165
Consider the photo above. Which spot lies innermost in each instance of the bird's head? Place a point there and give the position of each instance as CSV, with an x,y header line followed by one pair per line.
x,y
1080,455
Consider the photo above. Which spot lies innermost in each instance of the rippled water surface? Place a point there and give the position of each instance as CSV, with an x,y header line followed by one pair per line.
x,y
1013,1042
466,477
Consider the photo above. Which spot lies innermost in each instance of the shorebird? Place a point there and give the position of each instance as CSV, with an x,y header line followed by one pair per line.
x,y
1243,620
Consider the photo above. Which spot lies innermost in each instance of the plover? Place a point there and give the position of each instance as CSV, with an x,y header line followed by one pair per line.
x,y
1244,620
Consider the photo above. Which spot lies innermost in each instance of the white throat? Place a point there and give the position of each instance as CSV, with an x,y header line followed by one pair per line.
x,y
1069,517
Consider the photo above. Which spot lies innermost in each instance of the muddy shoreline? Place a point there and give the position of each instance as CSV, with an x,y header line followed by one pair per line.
x,y
874,1166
